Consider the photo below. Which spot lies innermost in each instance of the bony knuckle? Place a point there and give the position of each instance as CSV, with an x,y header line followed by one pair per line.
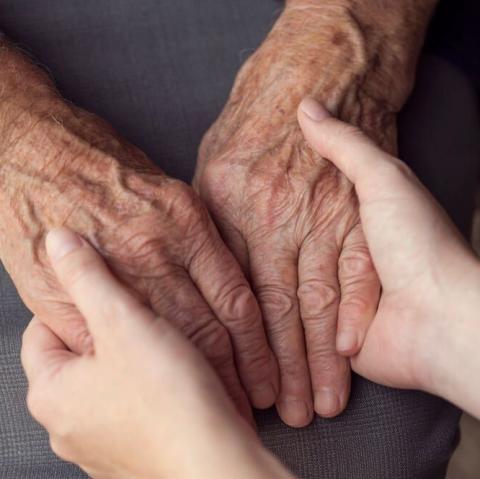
x,y
356,263
318,298
183,197
276,301
215,184
354,306
239,306
213,340
324,357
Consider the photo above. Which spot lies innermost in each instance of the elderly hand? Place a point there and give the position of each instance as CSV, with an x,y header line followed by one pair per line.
x,y
144,403
430,277
63,166
290,218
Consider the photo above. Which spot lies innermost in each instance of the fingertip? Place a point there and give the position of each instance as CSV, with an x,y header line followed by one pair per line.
x,y
60,242
263,396
330,403
265,393
295,412
347,342
313,110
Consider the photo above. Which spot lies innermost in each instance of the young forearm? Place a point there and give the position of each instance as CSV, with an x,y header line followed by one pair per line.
x,y
453,344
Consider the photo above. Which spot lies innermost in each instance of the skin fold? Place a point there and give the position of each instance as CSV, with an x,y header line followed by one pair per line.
x,y
290,217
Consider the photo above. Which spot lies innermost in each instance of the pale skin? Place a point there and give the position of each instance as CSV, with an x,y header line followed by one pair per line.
x,y
260,300
174,418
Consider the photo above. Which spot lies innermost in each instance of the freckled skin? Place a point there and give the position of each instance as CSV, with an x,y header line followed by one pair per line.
x,y
62,166
288,215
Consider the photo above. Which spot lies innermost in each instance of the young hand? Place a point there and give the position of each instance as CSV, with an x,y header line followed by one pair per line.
x,y
424,333
144,403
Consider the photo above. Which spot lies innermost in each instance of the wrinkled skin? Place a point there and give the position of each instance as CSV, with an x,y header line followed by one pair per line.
x,y
290,217
143,409
63,166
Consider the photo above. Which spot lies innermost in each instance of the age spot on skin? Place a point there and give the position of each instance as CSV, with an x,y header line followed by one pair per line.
x,y
338,38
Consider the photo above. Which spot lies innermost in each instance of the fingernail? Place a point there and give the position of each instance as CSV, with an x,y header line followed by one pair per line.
x,y
327,402
263,396
347,342
295,413
314,110
60,242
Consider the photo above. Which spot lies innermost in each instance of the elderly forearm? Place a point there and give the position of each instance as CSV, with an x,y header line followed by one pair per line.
x,y
24,87
356,57
376,42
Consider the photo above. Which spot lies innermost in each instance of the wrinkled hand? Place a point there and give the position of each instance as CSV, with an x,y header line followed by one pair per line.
x,y
145,404
61,166
429,274
291,218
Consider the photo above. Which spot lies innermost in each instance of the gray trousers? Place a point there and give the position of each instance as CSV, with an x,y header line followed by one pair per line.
x,y
160,71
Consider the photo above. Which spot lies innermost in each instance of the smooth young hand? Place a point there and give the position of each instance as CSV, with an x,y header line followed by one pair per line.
x,y
144,403
424,333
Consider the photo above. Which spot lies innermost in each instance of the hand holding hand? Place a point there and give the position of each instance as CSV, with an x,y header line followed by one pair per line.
x,y
61,166
419,337
144,403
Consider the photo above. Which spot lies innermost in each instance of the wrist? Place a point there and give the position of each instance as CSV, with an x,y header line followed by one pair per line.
x,y
449,361
378,43
228,442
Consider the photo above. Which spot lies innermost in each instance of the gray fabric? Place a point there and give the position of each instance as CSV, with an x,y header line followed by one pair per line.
x,y
160,71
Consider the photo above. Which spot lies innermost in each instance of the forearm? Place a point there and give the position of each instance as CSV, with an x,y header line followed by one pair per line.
x,y
59,165
452,344
376,43
356,58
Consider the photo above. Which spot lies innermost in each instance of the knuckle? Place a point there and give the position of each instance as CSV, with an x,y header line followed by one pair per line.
x,y
291,364
183,199
240,307
320,336
318,298
35,405
213,340
59,448
215,184
276,301
356,262
354,306
325,358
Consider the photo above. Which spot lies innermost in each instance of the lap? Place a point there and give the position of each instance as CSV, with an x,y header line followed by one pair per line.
x,y
160,71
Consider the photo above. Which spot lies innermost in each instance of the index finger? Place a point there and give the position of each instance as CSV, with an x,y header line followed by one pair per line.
x,y
98,295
